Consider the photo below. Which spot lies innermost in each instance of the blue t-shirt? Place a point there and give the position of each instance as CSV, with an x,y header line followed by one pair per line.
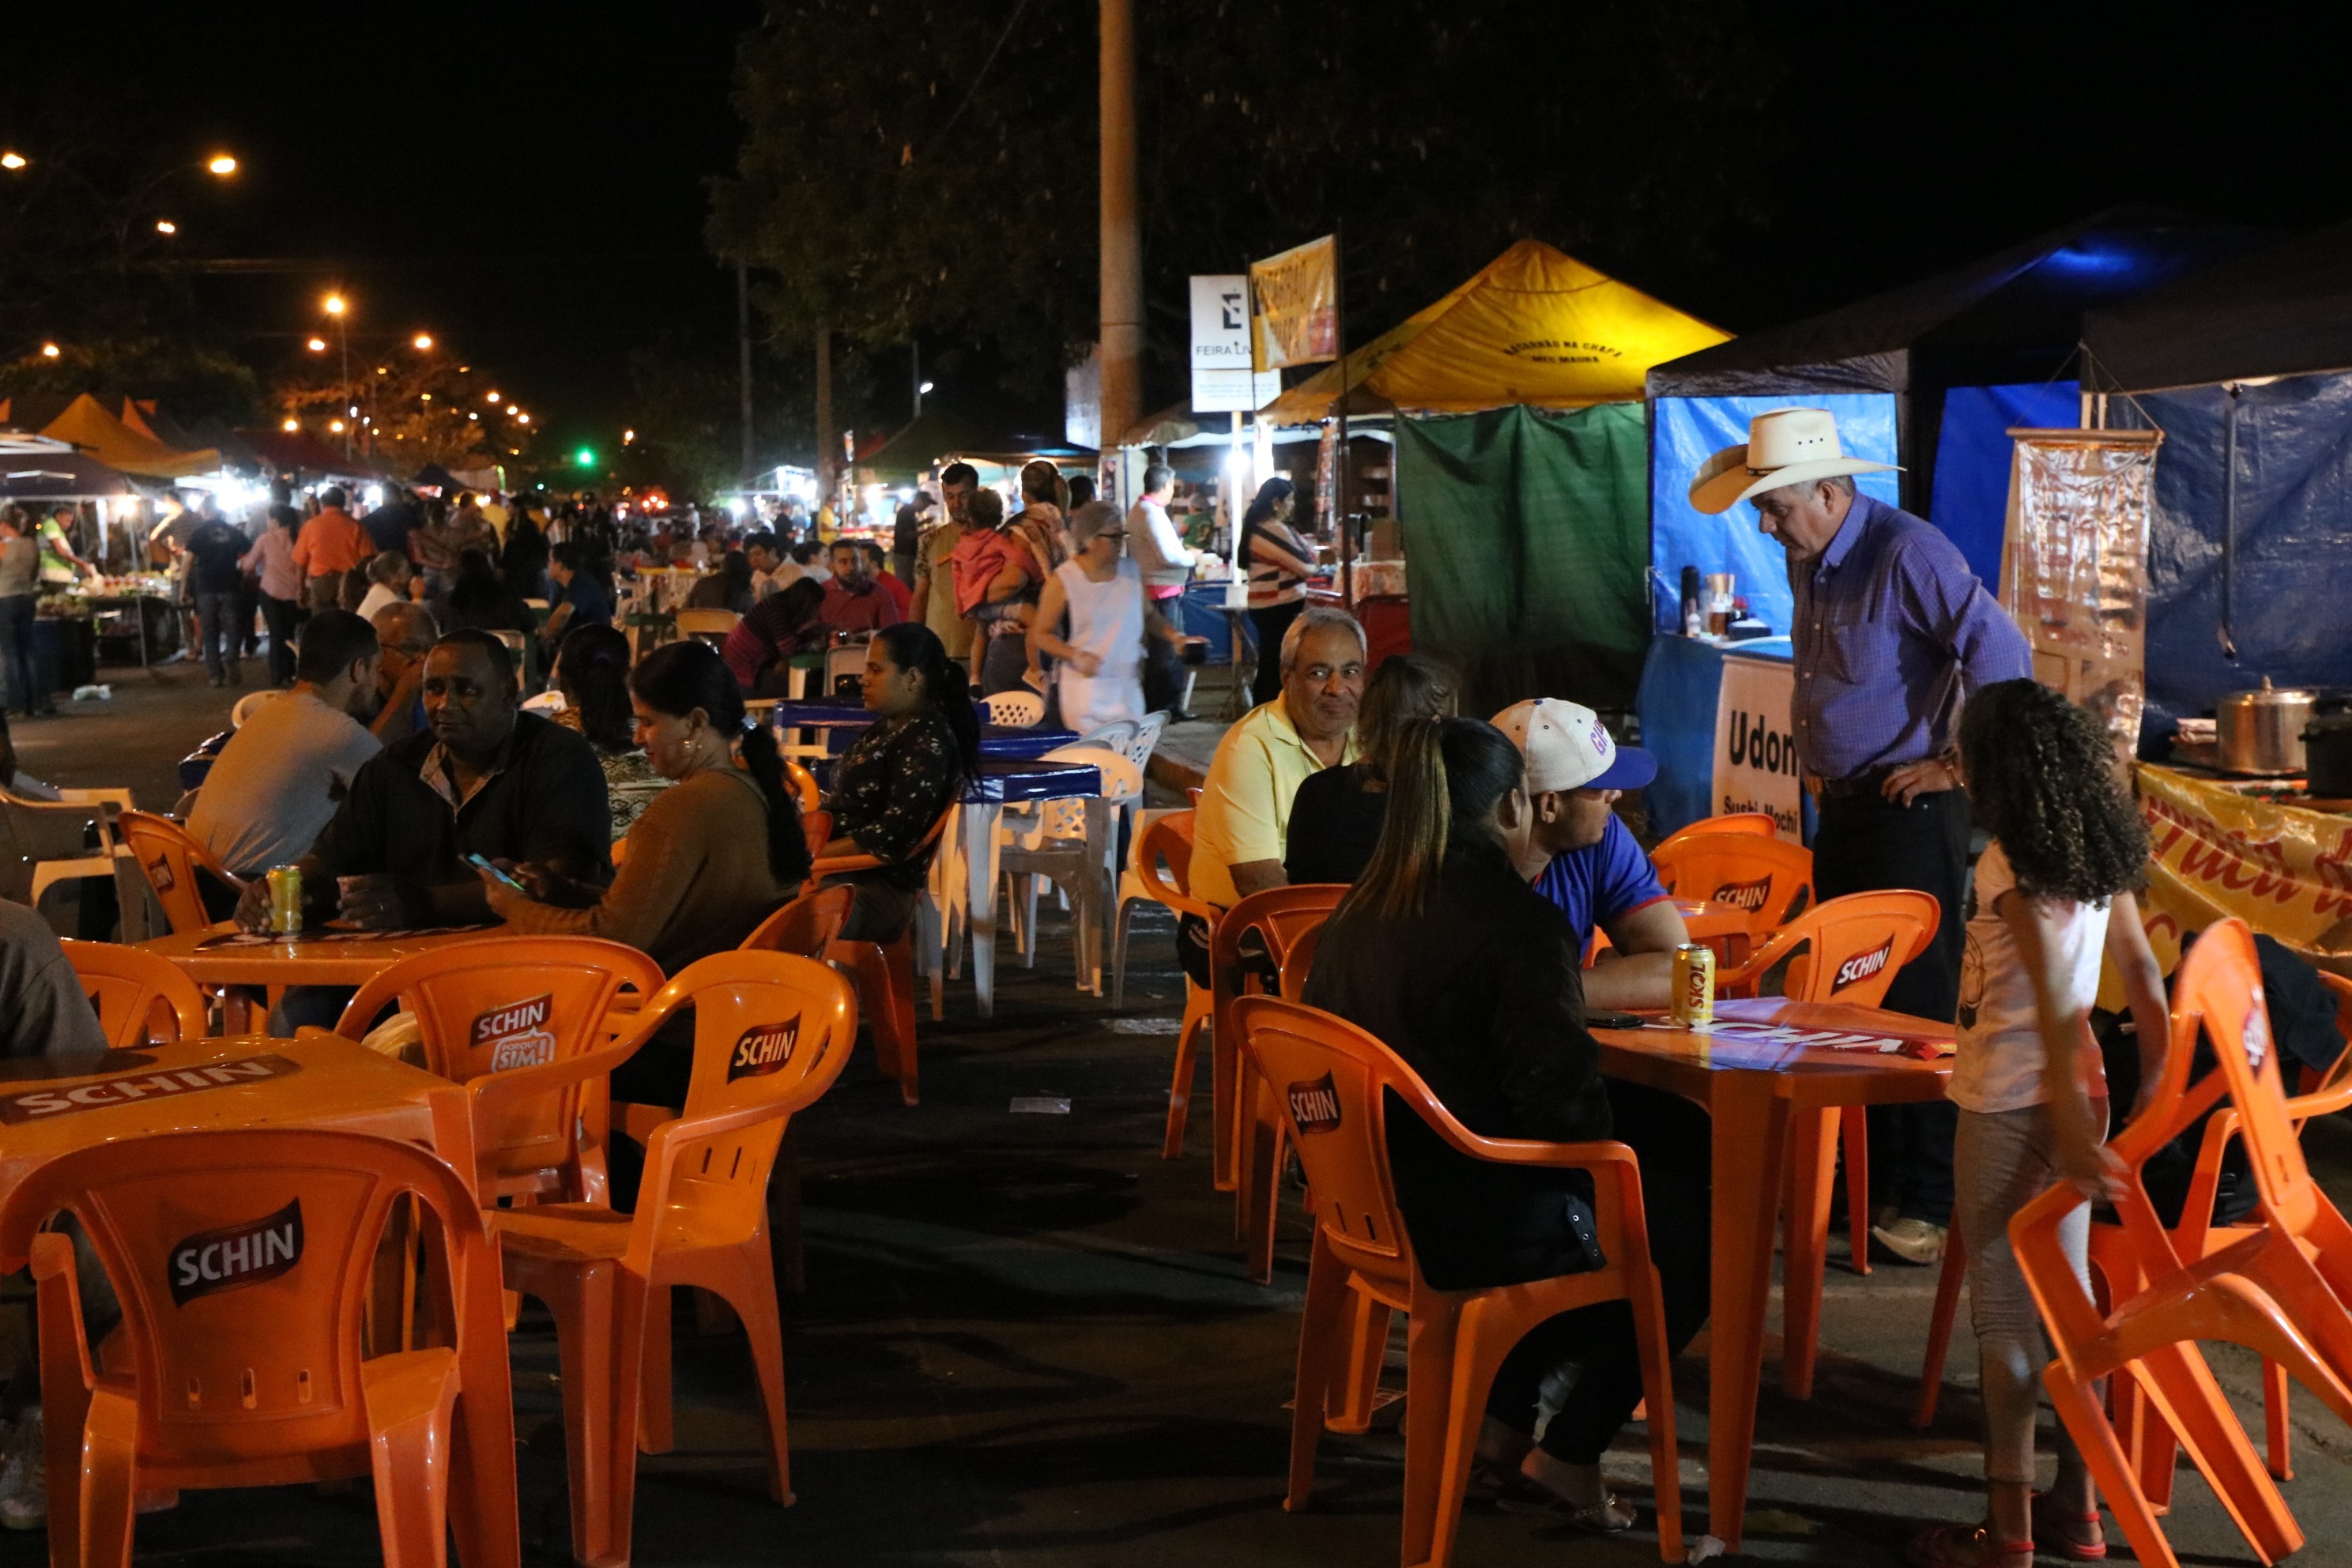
x,y
1598,883
592,606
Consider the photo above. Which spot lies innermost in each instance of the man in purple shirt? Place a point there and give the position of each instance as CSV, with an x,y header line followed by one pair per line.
x,y
1891,633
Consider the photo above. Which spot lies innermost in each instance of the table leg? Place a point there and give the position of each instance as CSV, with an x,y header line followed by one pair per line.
x,y
1749,1134
1812,1166
980,819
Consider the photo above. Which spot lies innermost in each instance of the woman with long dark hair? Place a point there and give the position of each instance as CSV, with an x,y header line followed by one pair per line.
x,y
522,560
1335,820
901,775
477,599
729,588
1445,953
714,855
1278,563
592,671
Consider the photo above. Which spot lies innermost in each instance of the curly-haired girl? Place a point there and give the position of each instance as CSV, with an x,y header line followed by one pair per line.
x,y
2053,891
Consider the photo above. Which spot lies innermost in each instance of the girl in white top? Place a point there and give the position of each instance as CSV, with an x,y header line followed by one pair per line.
x,y
2053,897
1102,656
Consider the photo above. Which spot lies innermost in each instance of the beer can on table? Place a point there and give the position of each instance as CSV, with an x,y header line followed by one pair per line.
x,y
1694,993
286,899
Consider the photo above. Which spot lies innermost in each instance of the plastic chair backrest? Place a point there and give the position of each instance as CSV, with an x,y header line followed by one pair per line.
x,y
2220,981
707,623
1121,778
1298,959
1147,730
1015,709
244,1259
771,1033
130,989
1326,1076
1757,823
806,926
547,703
246,705
491,1006
171,858
1280,915
1117,735
1170,840
804,785
1858,944
1772,878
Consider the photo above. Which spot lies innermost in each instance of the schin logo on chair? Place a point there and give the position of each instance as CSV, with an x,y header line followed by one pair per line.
x,y
1749,896
763,1049
1315,1107
246,1254
1861,966
517,1035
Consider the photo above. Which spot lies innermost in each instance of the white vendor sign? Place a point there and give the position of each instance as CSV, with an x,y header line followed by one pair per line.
x,y
1755,745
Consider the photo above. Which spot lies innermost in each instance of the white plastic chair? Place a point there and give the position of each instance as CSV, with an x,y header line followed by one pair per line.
x,y
1147,730
1119,735
246,705
849,658
546,704
1015,709
1071,841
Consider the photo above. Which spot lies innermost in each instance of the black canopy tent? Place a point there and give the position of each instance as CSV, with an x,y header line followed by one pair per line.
x,y
2286,309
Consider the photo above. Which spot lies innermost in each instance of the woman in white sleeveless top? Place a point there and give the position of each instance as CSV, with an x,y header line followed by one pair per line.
x,y
1101,659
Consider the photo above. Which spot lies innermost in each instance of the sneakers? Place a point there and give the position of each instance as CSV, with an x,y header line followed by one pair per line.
x,y
1912,1240
24,1475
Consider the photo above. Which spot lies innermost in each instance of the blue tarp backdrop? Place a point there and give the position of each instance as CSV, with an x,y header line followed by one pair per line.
x,y
1687,432
2290,611
1972,460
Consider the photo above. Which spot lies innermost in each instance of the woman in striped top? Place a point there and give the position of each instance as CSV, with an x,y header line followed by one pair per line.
x,y
1279,563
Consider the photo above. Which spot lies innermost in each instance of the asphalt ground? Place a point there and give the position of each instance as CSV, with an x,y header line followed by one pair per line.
x,y
1026,1338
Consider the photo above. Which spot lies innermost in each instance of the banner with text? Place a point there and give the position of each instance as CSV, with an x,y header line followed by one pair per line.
x,y
2214,853
1754,743
1295,306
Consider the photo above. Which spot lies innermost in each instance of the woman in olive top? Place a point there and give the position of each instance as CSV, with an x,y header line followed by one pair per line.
x,y
901,774
713,855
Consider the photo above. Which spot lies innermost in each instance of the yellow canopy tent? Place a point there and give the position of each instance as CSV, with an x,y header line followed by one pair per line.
x,y
1535,327
87,426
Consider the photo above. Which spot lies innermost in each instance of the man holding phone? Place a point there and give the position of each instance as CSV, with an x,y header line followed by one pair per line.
x,y
483,780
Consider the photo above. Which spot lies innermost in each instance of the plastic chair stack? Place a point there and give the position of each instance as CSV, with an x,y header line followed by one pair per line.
x,y
771,1033
1331,1082
1071,844
242,1260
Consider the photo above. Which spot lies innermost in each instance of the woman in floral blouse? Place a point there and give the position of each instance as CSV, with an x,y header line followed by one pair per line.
x,y
901,775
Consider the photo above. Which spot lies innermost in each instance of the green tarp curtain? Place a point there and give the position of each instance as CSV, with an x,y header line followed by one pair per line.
x,y
1529,537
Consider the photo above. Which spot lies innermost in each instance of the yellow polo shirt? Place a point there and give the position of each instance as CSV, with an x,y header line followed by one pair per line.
x,y
1244,811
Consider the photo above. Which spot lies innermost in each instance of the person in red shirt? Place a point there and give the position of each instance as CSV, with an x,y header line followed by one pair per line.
x,y
331,545
876,567
854,602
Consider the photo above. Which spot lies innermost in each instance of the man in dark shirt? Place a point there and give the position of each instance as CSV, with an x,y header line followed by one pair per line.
x,y
387,526
484,779
214,547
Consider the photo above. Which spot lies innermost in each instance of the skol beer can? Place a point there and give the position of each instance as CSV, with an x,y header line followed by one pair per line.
x,y
1693,993
286,899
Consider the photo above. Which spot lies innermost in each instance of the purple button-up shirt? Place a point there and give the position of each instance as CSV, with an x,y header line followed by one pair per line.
x,y
1891,632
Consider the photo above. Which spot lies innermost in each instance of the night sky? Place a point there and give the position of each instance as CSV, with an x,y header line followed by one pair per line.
x,y
525,180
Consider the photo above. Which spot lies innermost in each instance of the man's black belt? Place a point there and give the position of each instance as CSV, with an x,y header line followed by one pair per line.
x,y
1870,780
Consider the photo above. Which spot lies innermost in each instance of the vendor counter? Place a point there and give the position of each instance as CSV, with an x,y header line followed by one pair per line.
x,y
1716,716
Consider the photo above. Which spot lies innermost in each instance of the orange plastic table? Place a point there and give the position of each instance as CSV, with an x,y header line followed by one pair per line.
x,y
212,959
1764,1062
49,1105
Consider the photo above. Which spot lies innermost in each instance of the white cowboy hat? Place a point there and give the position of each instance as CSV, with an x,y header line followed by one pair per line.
x,y
1785,447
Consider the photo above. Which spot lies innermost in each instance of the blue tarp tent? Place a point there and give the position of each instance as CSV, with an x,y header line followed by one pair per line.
x,y
2247,369
1958,358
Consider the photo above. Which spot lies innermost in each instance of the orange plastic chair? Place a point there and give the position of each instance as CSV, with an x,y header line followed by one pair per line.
x,y
885,971
172,861
485,1009
1334,1078
135,992
1851,949
1757,824
2261,1291
771,1033
1169,840
1771,879
807,926
1253,1130
804,785
242,1260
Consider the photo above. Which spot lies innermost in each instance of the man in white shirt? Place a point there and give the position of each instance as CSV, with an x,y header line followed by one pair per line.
x,y
1160,553
276,785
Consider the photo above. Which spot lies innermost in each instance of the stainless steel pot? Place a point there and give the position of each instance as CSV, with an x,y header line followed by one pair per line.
x,y
2261,731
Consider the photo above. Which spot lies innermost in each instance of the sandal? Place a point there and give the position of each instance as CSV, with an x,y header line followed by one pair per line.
x,y
1595,1519
1963,1546
2058,1530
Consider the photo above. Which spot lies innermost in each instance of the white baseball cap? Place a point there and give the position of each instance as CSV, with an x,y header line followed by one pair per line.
x,y
1567,747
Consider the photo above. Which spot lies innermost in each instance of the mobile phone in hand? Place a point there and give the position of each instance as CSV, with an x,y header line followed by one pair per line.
x,y
502,876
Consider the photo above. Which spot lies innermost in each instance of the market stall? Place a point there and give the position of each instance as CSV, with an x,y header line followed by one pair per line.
x,y
1515,411
77,612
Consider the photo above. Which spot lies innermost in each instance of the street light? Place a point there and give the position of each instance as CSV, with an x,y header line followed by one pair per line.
x,y
165,225
317,345
222,164
492,396
51,350
12,160
424,340
335,305
291,424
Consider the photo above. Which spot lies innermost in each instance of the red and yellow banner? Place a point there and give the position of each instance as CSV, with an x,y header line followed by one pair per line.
x,y
1295,306
2214,853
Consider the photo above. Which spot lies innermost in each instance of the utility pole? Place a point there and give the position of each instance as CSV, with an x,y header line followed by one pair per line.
x,y
915,374
828,439
743,355
1122,234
